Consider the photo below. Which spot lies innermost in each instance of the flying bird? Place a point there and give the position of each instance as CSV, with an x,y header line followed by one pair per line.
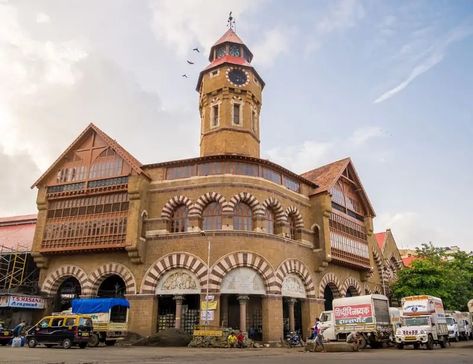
x,y
185,76
190,62
196,50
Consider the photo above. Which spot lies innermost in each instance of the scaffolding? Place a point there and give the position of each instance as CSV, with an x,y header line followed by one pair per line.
x,y
15,271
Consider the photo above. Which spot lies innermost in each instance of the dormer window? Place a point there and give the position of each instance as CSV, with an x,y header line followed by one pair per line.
x,y
235,51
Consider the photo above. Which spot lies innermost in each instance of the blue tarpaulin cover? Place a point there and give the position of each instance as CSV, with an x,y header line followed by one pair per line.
x,y
95,305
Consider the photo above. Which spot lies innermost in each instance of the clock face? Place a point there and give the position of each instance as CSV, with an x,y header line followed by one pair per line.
x,y
235,51
221,52
237,77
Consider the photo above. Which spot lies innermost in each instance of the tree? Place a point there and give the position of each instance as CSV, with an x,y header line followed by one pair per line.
x,y
435,273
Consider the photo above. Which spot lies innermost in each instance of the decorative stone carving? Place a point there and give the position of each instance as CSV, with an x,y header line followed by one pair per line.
x,y
178,281
292,286
243,281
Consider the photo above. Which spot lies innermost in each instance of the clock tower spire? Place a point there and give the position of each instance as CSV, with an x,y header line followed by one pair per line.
x,y
230,99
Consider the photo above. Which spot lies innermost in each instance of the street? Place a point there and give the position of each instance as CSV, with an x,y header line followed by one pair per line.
x,y
457,353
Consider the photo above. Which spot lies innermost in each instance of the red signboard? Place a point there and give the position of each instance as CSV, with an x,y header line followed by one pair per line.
x,y
353,314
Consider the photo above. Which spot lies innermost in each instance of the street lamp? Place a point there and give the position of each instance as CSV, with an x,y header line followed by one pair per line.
x,y
208,280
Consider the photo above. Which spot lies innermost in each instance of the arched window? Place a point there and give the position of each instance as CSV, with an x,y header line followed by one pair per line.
x,y
242,218
269,221
212,217
292,226
179,220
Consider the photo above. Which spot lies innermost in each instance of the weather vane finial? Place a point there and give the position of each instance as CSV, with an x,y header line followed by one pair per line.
x,y
231,21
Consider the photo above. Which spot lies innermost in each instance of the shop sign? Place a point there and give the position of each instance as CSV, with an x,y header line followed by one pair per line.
x,y
206,315
26,302
208,305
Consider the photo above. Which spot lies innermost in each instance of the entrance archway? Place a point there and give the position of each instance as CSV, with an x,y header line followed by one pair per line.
x,y
112,286
241,291
328,297
351,292
69,289
294,292
178,300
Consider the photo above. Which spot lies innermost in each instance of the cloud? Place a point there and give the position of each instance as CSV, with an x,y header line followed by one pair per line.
x,y
302,157
42,18
341,15
362,135
190,23
433,56
274,43
19,199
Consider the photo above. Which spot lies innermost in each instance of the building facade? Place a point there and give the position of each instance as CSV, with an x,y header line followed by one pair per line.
x,y
225,239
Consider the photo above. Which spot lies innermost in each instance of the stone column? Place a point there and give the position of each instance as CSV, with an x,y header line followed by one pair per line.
x,y
272,318
243,303
224,309
143,314
178,300
292,323
311,308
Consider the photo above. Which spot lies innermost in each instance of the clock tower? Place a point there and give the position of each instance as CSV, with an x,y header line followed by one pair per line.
x,y
230,100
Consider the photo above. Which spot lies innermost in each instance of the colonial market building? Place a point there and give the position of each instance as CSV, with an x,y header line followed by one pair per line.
x,y
269,248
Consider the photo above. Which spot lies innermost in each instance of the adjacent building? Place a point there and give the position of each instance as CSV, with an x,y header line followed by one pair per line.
x,y
226,238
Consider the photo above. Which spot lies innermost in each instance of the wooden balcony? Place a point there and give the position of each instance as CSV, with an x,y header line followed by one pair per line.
x,y
89,232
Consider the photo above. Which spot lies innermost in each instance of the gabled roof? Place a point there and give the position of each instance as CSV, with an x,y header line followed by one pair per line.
x,y
326,177
127,157
407,261
17,232
380,239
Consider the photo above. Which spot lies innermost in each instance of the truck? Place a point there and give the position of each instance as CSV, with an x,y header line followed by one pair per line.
x,y
458,325
368,315
423,322
109,318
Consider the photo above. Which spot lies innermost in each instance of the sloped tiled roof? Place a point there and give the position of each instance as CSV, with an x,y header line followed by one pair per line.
x,y
17,232
122,152
229,36
326,176
380,239
407,261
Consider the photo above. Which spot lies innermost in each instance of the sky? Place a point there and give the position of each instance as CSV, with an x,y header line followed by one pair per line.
x,y
387,83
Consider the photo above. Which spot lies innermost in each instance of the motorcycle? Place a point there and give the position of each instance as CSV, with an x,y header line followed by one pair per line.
x,y
294,339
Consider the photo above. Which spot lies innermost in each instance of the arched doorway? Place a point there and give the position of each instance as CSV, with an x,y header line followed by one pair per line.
x,y
68,290
112,286
241,306
328,297
294,293
351,292
178,300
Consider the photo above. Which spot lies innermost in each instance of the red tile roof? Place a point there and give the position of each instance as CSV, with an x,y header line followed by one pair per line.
x,y
407,261
326,176
380,238
229,36
17,232
228,59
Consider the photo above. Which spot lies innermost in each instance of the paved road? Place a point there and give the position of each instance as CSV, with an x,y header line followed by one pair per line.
x,y
457,353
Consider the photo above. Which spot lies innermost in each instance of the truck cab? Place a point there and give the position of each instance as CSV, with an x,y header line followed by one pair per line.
x,y
423,323
452,325
328,324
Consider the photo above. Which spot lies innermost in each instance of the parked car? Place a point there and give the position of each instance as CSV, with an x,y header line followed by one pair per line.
x,y
62,330
6,335
452,325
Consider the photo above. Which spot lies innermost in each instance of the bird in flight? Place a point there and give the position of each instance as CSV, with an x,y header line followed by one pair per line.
x,y
190,62
196,50
185,76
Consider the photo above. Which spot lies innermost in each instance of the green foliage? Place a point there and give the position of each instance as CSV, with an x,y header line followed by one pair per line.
x,y
435,273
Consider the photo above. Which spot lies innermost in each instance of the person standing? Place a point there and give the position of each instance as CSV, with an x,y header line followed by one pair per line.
x,y
319,339
19,328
